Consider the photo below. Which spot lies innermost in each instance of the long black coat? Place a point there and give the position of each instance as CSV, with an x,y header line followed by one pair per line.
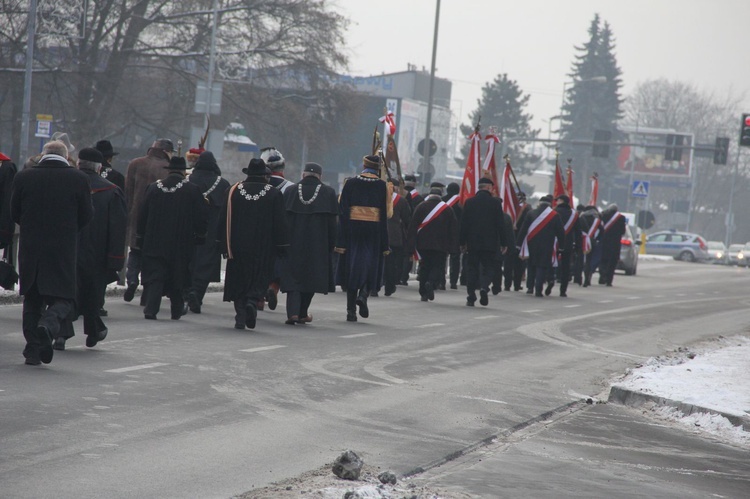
x,y
169,226
7,226
542,244
101,244
308,267
109,173
440,234
256,234
207,259
50,202
398,224
611,239
573,236
482,224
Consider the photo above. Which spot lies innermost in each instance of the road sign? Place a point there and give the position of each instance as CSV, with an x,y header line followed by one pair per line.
x,y
640,189
43,129
431,152
201,97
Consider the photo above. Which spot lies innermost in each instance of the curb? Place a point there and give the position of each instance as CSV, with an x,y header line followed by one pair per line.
x,y
623,396
16,299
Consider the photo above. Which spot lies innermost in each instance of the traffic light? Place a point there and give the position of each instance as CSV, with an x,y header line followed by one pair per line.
x,y
601,150
745,131
673,152
721,150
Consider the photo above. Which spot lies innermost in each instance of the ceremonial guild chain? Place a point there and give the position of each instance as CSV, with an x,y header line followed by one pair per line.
x,y
314,196
169,190
105,173
368,179
254,197
216,184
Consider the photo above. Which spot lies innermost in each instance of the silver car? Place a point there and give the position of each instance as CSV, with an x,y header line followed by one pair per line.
x,y
629,252
717,253
683,246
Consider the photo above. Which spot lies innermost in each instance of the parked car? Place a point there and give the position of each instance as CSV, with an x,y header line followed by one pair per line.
x,y
735,254
717,253
629,252
745,252
683,246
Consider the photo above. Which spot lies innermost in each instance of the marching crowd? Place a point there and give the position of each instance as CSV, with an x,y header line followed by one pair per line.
x,y
77,218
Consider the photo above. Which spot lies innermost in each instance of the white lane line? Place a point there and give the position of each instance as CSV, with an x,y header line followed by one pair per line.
x,y
482,399
573,306
606,301
483,317
262,349
136,368
360,335
435,324
680,294
634,297
658,296
532,311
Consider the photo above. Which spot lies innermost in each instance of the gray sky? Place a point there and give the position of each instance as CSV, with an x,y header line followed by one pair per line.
x,y
702,42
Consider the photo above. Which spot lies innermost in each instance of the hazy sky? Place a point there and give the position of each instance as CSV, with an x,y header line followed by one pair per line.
x,y
702,42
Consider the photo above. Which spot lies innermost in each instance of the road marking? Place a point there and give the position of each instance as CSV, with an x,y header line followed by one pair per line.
x,y
482,399
262,349
532,311
136,368
483,317
658,296
573,306
435,324
360,335
606,301
634,297
680,294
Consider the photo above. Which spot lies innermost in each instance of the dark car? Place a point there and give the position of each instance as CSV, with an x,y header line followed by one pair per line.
x,y
629,252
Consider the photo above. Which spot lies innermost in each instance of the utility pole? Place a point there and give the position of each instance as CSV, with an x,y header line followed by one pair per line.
x,y
211,63
426,157
730,214
26,112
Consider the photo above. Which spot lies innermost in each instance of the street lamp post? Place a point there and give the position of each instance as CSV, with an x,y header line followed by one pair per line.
x,y
26,112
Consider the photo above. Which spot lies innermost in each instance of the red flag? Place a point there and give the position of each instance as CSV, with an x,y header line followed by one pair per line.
x,y
489,167
594,189
390,123
569,184
508,193
559,183
471,174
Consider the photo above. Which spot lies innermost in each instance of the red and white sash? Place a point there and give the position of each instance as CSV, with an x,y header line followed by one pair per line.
x,y
592,232
571,221
536,226
395,198
586,242
432,215
452,201
612,221
414,193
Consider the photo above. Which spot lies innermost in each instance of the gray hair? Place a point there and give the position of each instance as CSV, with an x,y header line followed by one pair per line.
x,y
84,164
55,147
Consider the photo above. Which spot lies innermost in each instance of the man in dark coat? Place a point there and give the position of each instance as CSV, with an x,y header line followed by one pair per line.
x,y
362,239
172,221
613,228
7,226
141,173
107,171
591,225
252,233
455,259
206,264
515,267
504,259
572,228
415,199
398,225
433,234
101,250
482,236
579,254
536,243
51,203
311,209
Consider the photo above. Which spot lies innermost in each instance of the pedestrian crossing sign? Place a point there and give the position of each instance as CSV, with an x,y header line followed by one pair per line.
x,y
640,189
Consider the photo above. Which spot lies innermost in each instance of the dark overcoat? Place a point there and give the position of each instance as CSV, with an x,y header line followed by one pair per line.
x,y
7,226
207,259
399,222
482,223
51,203
542,244
170,224
101,244
611,239
254,232
440,234
307,266
109,173
365,240
141,173
573,236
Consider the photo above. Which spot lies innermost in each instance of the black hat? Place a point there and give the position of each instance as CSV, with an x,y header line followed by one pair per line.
x,y
546,199
410,178
436,190
437,185
313,168
177,163
453,188
163,144
372,161
206,161
256,167
486,181
105,147
564,198
90,154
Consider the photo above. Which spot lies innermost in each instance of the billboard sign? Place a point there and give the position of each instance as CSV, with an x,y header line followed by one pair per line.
x,y
656,152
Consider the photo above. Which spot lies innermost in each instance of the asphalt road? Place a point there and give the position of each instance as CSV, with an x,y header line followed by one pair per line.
x,y
195,408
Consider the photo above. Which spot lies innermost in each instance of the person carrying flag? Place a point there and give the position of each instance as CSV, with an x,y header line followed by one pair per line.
x,y
536,240
613,223
572,227
455,259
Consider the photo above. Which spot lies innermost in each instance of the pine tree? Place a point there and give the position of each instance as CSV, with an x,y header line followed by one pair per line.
x,y
592,103
502,106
